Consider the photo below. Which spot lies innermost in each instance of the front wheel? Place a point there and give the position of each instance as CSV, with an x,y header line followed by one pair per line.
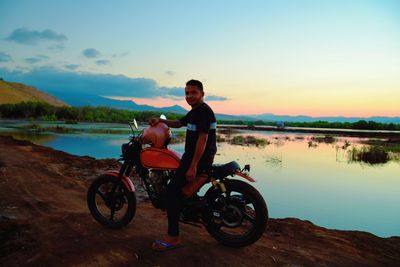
x,y
110,202
237,217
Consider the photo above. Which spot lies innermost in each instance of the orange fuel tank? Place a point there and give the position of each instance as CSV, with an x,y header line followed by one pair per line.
x,y
160,158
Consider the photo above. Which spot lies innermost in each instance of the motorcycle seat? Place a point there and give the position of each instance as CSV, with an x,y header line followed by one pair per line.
x,y
223,170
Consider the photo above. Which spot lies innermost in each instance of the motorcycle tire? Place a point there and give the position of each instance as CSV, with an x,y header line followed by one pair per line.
x,y
260,221
119,198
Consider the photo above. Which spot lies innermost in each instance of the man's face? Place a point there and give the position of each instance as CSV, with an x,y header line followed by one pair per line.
x,y
193,95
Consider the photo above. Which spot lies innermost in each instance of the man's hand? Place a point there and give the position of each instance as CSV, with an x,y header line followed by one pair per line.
x,y
191,173
154,121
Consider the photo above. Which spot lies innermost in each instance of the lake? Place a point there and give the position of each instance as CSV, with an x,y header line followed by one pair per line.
x,y
305,176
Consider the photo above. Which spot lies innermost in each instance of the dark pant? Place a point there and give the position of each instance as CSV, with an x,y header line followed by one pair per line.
x,y
174,189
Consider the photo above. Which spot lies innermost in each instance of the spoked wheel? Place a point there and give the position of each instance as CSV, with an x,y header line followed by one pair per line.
x,y
238,216
110,202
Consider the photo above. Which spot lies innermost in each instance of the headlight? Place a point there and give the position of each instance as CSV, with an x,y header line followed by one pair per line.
x,y
125,149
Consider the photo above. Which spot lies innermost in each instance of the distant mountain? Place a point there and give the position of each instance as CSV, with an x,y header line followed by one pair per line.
x,y
11,93
94,100
15,92
226,117
301,118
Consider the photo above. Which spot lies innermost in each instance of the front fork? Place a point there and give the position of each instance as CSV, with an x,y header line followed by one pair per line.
x,y
125,169
123,174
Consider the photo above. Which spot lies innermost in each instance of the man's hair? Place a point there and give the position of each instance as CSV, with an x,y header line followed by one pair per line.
x,y
195,83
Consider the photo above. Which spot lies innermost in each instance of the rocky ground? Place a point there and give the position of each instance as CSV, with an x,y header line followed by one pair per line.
x,y
44,221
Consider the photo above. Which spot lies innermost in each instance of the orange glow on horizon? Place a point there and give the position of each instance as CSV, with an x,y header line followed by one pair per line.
x,y
232,107
155,102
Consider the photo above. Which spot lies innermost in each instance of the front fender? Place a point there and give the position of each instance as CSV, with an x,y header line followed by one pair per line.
x,y
125,179
245,176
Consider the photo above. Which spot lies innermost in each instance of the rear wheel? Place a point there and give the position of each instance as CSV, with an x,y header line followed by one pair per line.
x,y
239,216
110,202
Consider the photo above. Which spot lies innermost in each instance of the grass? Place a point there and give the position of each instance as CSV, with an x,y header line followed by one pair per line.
x,y
221,139
328,139
248,140
311,144
389,145
346,144
178,137
227,131
13,93
374,154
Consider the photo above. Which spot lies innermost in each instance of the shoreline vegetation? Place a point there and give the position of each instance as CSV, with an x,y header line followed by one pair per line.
x,y
370,150
382,143
46,112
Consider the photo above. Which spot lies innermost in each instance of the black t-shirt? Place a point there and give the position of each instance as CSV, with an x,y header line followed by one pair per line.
x,y
200,119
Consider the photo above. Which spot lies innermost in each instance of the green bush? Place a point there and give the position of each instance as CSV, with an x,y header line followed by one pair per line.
x,y
44,111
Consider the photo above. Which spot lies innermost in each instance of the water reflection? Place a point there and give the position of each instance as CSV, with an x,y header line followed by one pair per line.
x,y
318,183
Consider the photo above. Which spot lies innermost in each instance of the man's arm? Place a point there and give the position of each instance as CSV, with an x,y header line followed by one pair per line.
x,y
198,153
170,123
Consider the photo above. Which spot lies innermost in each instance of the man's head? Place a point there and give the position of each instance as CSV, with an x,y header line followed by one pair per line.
x,y
194,93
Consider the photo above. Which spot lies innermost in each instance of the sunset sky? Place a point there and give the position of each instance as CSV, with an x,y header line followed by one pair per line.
x,y
317,58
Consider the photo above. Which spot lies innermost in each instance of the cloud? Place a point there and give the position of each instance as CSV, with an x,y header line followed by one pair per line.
x,y
61,82
57,47
174,92
42,57
102,62
90,53
54,80
5,57
170,73
72,66
179,93
34,60
28,37
120,55
216,98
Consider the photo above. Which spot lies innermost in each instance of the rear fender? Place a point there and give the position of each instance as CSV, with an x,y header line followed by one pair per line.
x,y
125,179
245,176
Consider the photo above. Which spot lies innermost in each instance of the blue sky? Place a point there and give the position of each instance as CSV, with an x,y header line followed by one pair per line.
x,y
284,57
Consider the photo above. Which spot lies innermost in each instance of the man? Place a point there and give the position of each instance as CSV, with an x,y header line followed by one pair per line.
x,y
200,148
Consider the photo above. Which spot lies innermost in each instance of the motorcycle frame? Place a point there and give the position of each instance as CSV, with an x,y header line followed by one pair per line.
x,y
129,162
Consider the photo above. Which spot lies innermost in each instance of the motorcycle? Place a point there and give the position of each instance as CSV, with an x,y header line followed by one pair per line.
x,y
231,210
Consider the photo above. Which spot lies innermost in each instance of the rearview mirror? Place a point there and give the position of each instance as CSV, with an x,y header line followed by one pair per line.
x,y
135,123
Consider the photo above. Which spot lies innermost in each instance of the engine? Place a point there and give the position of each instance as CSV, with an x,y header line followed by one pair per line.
x,y
156,182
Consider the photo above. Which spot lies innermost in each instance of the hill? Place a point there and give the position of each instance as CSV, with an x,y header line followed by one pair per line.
x,y
44,221
11,93
82,99
302,118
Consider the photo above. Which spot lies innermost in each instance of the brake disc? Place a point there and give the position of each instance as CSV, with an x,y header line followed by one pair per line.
x,y
232,217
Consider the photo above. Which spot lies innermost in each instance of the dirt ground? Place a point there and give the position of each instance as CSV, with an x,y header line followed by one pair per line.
x,y
44,221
